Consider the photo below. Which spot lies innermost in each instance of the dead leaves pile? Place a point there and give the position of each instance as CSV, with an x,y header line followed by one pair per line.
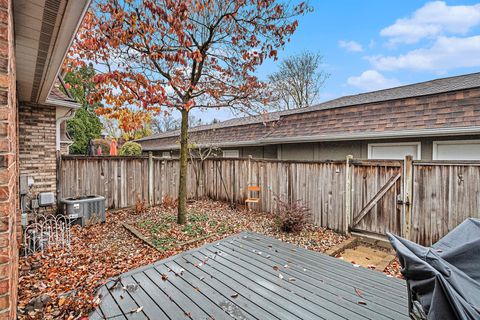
x,y
69,278
61,284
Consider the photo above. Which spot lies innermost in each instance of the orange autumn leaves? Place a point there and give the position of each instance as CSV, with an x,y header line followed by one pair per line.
x,y
180,54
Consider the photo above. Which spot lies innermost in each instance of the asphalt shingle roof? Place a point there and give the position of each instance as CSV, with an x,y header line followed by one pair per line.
x,y
361,112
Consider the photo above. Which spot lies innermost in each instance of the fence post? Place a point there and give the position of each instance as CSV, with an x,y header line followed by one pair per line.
x,y
348,194
407,195
150,179
249,171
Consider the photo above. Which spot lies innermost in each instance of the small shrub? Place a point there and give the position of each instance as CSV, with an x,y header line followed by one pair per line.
x,y
130,148
140,206
169,202
292,216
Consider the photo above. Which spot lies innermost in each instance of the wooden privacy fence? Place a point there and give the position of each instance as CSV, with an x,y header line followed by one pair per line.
x,y
419,200
125,180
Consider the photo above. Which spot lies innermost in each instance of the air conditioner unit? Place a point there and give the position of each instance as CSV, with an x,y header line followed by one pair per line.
x,y
84,209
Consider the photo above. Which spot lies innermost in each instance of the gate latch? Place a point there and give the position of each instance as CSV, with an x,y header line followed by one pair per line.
x,y
400,200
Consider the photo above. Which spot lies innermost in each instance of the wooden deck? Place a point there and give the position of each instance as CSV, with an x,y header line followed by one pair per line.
x,y
251,276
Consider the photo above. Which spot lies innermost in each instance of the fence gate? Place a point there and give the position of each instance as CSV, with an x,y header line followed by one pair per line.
x,y
377,197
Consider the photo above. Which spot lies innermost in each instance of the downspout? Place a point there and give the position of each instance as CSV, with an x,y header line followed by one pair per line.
x,y
69,115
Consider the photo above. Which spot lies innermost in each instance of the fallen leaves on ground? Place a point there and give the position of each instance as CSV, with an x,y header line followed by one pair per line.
x,y
69,277
61,283
393,269
210,221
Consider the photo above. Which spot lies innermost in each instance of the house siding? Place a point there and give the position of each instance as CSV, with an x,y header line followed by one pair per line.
x,y
10,230
37,146
332,150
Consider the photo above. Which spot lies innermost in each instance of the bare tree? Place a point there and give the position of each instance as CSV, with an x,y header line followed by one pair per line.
x,y
195,121
297,82
165,123
198,154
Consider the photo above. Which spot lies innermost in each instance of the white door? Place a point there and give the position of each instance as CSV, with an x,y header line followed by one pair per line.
x,y
394,151
456,150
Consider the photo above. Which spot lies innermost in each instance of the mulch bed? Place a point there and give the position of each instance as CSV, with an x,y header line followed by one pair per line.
x,y
61,284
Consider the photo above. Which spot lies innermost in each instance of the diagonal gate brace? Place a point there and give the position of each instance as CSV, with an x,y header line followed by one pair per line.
x,y
376,198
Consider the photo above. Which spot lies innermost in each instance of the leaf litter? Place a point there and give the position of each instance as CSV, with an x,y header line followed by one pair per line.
x,y
62,283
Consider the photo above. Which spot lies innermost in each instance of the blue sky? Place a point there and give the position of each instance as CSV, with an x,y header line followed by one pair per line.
x,y
373,44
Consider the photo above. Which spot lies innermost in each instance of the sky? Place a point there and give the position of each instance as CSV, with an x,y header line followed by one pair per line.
x,y
376,44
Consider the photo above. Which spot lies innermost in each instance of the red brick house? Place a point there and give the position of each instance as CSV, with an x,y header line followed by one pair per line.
x,y
433,120
34,38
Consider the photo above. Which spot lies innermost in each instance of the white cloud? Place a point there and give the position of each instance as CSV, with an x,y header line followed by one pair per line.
x,y
372,80
350,46
445,54
433,19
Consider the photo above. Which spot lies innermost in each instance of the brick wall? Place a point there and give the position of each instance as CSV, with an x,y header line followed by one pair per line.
x,y
37,146
9,213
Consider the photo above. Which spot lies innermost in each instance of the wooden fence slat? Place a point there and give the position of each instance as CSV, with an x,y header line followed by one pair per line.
x,y
441,195
375,199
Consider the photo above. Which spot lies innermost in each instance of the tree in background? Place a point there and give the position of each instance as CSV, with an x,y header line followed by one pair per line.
x,y
118,127
199,152
85,125
183,54
297,82
170,123
133,124
165,123
111,128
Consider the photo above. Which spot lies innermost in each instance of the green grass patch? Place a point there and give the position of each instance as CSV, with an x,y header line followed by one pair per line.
x,y
193,230
163,243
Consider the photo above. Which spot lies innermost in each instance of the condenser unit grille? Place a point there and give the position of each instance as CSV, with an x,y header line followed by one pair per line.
x,y
85,208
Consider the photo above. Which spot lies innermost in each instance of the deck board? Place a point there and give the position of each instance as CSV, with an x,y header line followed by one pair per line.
x,y
326,266
251,276
317,287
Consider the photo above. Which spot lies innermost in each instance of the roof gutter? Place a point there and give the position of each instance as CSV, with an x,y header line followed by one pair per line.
x,y
63,103
206,145
375,135
340,137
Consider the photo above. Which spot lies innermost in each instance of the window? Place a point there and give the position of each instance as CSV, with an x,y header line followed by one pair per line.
x,y
231,154
394,150
456,150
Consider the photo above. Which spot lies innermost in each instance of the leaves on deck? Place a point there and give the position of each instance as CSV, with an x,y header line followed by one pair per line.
x,y
359,292
137,310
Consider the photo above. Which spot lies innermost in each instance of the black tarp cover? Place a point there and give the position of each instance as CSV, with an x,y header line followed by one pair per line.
x,y
445,277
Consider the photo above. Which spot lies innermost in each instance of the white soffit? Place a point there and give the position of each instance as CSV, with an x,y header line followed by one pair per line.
x,y
44,30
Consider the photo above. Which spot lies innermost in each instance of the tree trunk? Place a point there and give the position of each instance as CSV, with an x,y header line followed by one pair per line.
x,y
182,186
